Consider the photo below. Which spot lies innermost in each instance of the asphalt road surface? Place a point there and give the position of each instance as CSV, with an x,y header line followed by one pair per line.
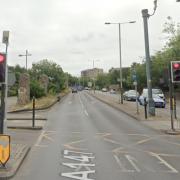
x,y
85,139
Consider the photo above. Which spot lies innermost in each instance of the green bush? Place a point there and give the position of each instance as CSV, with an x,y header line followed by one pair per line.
x,y
36,90
52,88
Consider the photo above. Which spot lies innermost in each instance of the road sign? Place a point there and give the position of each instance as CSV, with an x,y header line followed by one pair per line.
x,y
11,78
135,83
134,77
4,149
5,39
89,84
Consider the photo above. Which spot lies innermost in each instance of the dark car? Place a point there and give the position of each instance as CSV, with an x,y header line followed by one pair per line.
x,y
130,95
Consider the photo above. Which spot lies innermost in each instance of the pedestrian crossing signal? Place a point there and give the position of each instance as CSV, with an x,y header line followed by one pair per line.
x,y
2,67
175,71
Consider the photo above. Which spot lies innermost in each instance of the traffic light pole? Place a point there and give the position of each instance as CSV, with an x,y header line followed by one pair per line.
x,y
151,108
170,98
2,109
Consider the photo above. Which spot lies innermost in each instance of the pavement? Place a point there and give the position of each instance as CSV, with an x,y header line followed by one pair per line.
x,y
23,136
162,120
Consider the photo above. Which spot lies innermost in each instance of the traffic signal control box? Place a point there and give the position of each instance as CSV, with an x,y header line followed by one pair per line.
x,y
175,71
2,67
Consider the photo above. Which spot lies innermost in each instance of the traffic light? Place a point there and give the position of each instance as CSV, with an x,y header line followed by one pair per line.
x,y
2,67
175,71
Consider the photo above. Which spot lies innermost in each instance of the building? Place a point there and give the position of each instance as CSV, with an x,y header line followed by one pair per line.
x,y
124,69
91,73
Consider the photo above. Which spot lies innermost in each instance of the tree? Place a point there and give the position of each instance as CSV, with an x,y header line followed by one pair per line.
x,y
54,71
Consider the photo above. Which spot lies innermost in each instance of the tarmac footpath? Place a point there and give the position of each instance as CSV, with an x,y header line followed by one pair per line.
x,y
160,122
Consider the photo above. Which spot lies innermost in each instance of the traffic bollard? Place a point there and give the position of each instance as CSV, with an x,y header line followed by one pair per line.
x,y
33,113
145,108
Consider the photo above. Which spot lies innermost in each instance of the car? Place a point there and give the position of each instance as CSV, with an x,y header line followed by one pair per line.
x,y
74,90
87,88
155,91
104,90
158,101
130,95
112,91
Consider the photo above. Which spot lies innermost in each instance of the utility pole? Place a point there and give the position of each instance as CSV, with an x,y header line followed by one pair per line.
x,y
26,55
145,16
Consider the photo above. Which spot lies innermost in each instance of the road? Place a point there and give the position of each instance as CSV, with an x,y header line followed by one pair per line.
x,y
87,140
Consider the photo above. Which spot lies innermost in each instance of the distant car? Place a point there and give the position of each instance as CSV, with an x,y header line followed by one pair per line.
x,y
87,88
130,95
74,90
104,90
158,101
112,91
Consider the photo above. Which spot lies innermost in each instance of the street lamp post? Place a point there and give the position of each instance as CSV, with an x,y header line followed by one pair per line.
x,y
120,58
146,16
26,55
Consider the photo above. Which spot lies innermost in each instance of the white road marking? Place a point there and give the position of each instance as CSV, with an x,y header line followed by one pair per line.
x,y
86,113
77,165
162,161
81,175
132,161
84,158
44,134
83,107
123,169
81,158
66,152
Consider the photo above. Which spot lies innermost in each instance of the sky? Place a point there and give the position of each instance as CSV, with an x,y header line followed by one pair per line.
x,y
72,33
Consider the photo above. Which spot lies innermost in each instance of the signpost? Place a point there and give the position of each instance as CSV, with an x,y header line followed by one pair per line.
x,y
4,149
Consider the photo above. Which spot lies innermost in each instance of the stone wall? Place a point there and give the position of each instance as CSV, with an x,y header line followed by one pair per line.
x,y
24,89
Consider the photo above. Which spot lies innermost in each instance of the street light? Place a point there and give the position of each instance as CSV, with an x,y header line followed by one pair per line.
x,y
120,57
26,55
146,16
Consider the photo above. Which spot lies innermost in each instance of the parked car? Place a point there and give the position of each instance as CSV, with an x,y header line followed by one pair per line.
x,y
104,90
87,88
155,91
112,91
130,95
158,101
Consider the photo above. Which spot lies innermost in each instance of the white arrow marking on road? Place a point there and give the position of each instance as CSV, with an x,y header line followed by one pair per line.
x,y
81,175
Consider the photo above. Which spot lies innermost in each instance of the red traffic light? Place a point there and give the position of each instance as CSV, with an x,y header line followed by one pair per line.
x,y
176,65
2,58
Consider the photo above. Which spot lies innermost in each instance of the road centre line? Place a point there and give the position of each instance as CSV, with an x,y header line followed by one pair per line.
x,y
83,107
